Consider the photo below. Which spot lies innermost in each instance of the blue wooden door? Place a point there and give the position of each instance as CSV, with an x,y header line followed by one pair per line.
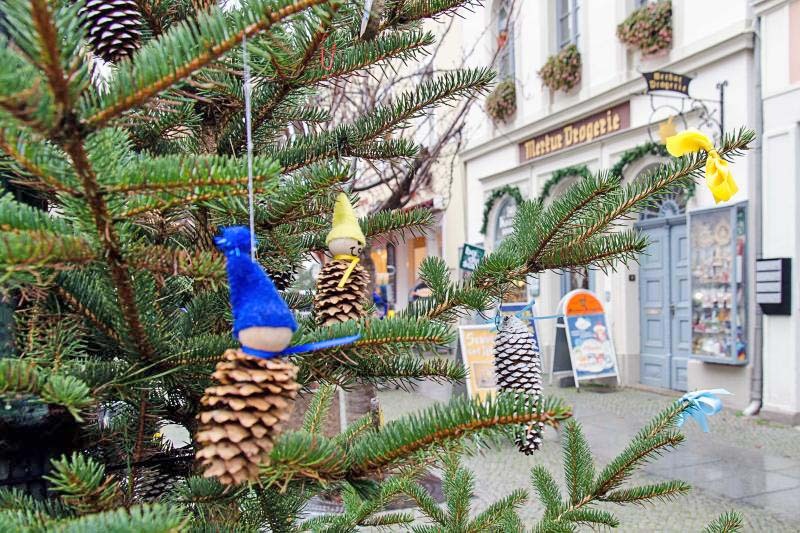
x,y
680,305
664,302
654,309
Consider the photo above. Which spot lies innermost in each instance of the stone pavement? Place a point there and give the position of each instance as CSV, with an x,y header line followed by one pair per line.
x,y
746,464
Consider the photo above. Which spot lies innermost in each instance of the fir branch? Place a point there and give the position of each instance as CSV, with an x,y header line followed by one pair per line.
x,y
459,418
87,313
729,522
164,261
40,165
578,463
183,50
43,20
318,409
180,173
665,491
109,238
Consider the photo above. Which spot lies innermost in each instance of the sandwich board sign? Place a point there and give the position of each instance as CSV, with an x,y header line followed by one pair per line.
x,y
477,350
588,337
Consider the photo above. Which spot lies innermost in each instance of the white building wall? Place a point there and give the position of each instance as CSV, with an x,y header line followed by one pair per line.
x,y
712,42
780,25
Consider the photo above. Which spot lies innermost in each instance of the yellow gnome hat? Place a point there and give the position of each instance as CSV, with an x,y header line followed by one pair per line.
x,y
345,223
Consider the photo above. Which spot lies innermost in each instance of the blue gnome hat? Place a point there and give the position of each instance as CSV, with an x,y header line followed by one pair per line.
x,y
255,301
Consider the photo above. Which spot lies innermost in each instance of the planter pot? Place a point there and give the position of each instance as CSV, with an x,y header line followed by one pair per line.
x,y
31,434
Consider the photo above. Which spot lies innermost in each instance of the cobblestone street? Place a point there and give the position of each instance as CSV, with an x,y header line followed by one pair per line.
x,y
746,464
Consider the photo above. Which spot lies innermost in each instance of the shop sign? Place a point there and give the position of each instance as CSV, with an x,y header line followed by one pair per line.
x,y
581,131
659,80
470,257
477,352
588,337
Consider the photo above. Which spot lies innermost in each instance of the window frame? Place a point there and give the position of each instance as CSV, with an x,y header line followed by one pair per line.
x,y
571,17
505,56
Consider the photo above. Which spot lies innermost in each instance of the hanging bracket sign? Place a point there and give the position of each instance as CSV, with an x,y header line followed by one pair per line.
x,y
470,257
660,80
588,336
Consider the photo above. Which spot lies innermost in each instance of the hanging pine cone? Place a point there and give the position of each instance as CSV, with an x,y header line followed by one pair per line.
x,y
153,482
518,368
282,279
113,27
242,416
334,304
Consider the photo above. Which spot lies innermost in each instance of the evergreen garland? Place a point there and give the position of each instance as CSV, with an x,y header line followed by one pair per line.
x,y
574,170
497,194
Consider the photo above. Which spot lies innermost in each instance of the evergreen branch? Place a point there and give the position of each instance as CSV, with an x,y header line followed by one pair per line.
x,y
578,463
408,11
492,515
87,313
729,522
459,418
589,516
665,490
20,377
152,518
44,178
302,455
415,221
49,38
637,452
82,484
425,502
547,489
602,251
31,251
446,88
200,265
183,50
267,111
400,46
639,193
561,211
17,216
317,411
109,238
171,173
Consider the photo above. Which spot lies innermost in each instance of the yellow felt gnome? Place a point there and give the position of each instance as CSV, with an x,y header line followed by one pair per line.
x,y
342,283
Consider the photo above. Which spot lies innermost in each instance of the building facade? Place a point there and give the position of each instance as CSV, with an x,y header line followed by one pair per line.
x,y
686,316
778,23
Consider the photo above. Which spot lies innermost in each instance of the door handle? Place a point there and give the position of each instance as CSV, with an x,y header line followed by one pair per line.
x,y
672,310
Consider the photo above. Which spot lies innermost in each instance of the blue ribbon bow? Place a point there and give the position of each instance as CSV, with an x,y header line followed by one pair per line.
x,y
702,403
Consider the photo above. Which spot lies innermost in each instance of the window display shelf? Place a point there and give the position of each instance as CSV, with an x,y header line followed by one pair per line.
x,y
717,248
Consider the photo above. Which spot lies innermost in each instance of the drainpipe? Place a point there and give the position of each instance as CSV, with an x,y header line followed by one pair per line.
x,y
755,236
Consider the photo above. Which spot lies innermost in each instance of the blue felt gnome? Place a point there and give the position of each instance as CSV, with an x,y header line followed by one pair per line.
x,y
261,319
243,413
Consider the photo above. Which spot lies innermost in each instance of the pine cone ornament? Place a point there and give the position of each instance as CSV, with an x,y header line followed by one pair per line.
x,y
518,368
154,482
282,279
113,27
334,304
241,417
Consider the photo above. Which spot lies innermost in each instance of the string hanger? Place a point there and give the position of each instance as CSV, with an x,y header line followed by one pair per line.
x,y
248,122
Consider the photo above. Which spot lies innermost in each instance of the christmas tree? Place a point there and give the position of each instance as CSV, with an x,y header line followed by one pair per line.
x,y
121,176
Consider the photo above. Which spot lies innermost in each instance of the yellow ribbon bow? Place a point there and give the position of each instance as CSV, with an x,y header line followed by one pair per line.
x,y
353,262
718,176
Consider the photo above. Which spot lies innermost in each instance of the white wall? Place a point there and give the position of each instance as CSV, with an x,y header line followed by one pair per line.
x,y
781,199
